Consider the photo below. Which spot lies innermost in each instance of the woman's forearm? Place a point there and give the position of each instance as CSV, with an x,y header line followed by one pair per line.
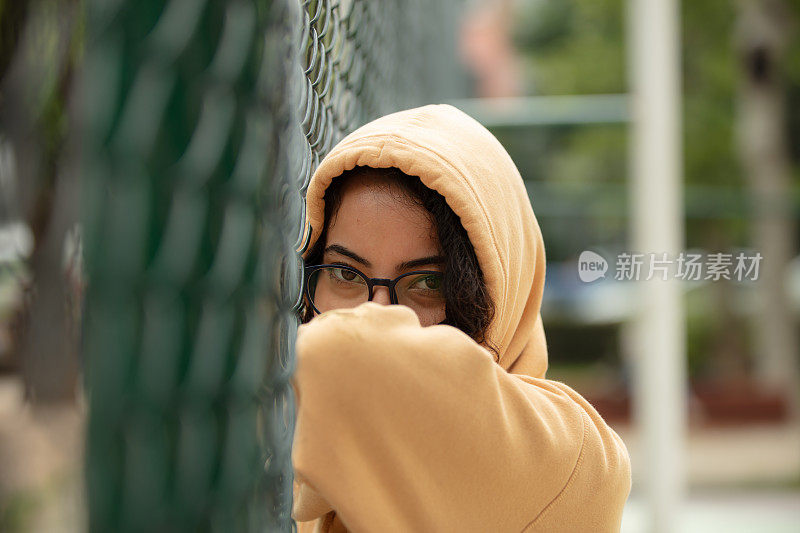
x,y
404,428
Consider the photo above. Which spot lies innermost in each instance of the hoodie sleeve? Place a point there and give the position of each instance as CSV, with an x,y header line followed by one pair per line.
x,y
404,428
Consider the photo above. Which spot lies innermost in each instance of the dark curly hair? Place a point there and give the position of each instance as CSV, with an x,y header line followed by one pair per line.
x,y
468,305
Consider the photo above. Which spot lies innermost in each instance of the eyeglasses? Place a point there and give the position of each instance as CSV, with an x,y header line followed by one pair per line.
x,y
340,286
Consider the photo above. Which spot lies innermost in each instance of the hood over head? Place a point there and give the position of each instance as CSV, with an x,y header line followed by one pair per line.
x,y
460,159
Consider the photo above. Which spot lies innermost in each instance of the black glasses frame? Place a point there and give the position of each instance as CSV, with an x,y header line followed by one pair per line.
x,y
371,282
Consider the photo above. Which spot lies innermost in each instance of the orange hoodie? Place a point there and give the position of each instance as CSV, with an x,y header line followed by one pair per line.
x,y
411,429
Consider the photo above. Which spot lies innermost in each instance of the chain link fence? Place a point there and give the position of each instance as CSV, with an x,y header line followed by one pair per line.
x,y
198,124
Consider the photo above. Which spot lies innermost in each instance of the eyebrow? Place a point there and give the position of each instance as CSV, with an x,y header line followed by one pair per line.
x,y
341,250
422,261
405,265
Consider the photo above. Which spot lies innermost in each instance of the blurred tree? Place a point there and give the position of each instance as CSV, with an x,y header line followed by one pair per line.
x,y
764,34
39,49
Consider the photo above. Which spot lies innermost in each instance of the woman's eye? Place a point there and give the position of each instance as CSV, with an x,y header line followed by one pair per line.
x,y
344,275
429,282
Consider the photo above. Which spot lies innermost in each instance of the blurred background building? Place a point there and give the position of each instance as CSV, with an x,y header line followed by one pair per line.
x,y
554,80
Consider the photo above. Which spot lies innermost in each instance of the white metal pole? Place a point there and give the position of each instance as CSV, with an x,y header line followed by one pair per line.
x,y
657,227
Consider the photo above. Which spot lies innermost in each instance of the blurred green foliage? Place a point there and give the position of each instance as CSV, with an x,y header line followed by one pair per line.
x,y
573,46
578,47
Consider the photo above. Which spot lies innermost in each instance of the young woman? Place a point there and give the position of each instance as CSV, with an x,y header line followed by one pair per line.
x,y
434,414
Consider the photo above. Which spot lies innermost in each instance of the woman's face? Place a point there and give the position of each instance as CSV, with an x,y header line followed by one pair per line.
x,y
380,232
